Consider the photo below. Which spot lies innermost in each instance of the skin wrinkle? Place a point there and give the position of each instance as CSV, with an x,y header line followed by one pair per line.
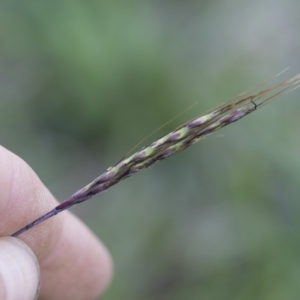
x,y
37,198
73,263
49,261
68,240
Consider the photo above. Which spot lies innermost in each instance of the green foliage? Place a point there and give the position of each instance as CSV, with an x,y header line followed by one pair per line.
x,y
83,81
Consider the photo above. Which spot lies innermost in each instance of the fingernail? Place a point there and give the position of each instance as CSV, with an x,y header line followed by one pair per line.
x,y
19,270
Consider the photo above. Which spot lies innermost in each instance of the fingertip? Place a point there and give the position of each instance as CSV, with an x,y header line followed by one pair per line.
x,y
74,264
79,266
19,270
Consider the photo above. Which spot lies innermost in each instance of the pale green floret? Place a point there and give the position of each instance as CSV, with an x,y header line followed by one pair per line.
x,y
207,117
148,151
214,126
177,147
114,170
182,132
89,185
161,141
84,189
127,160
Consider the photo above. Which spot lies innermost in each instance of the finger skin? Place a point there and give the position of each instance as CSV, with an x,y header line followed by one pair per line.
x,y
73,263
19,270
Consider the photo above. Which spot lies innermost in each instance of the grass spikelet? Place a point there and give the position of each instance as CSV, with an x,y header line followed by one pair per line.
x,y
173,142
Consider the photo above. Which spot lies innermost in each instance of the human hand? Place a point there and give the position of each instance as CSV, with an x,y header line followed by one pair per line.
x,y
73,263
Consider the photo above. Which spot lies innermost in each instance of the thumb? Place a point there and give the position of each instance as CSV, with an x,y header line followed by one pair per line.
x,y
19,270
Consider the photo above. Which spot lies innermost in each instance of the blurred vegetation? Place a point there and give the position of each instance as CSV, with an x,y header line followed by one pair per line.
x,y
83,81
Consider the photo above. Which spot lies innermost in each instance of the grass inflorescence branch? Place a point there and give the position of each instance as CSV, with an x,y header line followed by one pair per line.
x,y
174,142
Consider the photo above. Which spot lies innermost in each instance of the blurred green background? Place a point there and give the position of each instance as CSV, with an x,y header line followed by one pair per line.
x,y
81,82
